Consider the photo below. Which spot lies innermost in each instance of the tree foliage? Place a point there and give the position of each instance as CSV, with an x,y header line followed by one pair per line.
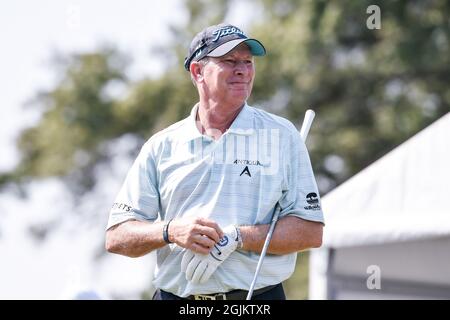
x,y
371,89
77,117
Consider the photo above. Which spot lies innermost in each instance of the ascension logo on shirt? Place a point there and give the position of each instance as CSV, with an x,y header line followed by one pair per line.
x,y
313,200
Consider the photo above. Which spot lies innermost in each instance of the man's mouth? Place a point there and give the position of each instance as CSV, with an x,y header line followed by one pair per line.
x,y
242,85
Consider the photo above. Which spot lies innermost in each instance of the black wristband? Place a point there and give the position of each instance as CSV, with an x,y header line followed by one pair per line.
x,y
166,232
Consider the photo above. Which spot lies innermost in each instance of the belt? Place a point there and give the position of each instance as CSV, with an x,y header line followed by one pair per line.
x,y
232,295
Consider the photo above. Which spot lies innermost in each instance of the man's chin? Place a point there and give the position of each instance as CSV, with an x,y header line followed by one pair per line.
x,y
238,100
239,94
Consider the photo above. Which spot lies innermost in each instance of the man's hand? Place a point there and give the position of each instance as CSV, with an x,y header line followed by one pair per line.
x,y
197,234
199,267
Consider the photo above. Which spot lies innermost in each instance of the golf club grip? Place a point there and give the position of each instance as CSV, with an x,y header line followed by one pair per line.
x,y
307,121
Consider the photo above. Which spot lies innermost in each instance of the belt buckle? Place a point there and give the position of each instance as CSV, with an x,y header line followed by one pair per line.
x,y
210,297
223,295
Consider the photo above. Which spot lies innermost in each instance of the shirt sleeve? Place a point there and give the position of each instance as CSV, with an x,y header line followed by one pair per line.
x,y
138,197
300,195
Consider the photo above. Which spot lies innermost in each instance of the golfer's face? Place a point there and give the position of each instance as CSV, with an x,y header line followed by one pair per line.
x,y
230,78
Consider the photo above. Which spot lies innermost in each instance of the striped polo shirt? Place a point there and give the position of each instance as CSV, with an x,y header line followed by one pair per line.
x,y
260,163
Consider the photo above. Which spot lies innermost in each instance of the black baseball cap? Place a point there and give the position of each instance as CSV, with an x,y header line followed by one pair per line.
x,y
218,40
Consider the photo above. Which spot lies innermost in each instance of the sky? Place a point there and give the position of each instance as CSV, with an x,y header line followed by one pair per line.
x,y
62,265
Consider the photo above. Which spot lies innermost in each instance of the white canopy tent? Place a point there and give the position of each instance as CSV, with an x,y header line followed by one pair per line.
x,y
393,217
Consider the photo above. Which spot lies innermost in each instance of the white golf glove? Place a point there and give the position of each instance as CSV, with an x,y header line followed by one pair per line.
x,y
199,267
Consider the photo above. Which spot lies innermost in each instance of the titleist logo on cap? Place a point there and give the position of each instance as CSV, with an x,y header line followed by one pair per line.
x,y
211,39
219,33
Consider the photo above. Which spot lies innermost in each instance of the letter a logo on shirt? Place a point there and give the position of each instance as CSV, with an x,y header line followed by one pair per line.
x,y
246,171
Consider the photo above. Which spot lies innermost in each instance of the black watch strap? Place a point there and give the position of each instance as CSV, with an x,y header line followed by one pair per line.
x,y
166,232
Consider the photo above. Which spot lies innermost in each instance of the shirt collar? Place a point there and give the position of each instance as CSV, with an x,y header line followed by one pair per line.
x,y
192,131
242,125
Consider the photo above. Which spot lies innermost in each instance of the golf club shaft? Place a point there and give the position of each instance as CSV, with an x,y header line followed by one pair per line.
x,y
307,121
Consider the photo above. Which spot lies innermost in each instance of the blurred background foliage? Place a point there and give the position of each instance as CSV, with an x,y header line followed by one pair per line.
x,y
371,89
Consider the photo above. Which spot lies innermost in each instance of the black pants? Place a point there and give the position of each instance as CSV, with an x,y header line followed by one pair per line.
x,y
276,293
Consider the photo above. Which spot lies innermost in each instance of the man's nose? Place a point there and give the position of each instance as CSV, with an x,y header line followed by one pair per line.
x,y
240,68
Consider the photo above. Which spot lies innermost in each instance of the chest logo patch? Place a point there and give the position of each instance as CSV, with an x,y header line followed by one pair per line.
x,y
246,171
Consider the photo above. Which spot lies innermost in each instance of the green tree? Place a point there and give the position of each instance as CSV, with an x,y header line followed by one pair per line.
x,y
77,116
371,89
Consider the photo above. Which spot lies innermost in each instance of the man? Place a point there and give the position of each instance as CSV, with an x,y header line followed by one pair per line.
x,y
214,181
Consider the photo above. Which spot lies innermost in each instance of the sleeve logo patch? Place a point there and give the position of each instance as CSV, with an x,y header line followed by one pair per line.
x,y
313,201
121,206
311,198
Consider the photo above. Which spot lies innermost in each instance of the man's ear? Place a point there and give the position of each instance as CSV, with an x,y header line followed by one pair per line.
x,y
196,71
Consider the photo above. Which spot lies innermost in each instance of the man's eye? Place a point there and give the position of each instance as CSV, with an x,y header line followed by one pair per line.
x,y
230,61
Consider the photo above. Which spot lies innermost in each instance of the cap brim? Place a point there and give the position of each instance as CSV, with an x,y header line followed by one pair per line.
x,y
256,47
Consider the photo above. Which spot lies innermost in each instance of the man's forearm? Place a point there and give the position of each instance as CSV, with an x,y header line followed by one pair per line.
x,y
134,238
291,234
